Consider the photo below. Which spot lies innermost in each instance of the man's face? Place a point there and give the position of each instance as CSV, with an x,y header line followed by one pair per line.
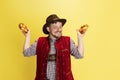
x,y
55,30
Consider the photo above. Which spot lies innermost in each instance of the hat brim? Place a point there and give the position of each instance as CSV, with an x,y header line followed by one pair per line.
x,y
46,24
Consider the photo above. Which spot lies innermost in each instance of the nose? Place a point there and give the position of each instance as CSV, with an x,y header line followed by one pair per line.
x,y
59,29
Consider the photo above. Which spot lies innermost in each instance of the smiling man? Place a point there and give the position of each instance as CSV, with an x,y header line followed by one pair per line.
x,y
53,52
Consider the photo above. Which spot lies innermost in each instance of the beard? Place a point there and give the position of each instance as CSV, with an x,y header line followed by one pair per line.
x,y
56,35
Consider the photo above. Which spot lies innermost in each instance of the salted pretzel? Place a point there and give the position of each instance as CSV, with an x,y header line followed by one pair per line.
x,y
83,29
23,27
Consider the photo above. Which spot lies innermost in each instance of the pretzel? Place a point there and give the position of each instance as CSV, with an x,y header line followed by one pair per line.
x,y
83,29
23,27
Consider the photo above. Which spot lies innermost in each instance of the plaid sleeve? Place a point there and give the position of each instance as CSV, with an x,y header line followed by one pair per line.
x,y
74,50
31,50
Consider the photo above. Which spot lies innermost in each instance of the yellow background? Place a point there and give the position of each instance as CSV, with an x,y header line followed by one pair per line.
x,y
101,42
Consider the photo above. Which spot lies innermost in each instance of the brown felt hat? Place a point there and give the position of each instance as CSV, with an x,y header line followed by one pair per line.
x,y
51,19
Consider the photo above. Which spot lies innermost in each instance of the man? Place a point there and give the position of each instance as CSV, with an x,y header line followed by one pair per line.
x,y
53,52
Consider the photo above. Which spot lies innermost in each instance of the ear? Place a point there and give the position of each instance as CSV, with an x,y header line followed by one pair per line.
x,y
48,29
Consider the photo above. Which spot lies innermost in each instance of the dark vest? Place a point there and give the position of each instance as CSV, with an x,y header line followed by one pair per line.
x,y
63,61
